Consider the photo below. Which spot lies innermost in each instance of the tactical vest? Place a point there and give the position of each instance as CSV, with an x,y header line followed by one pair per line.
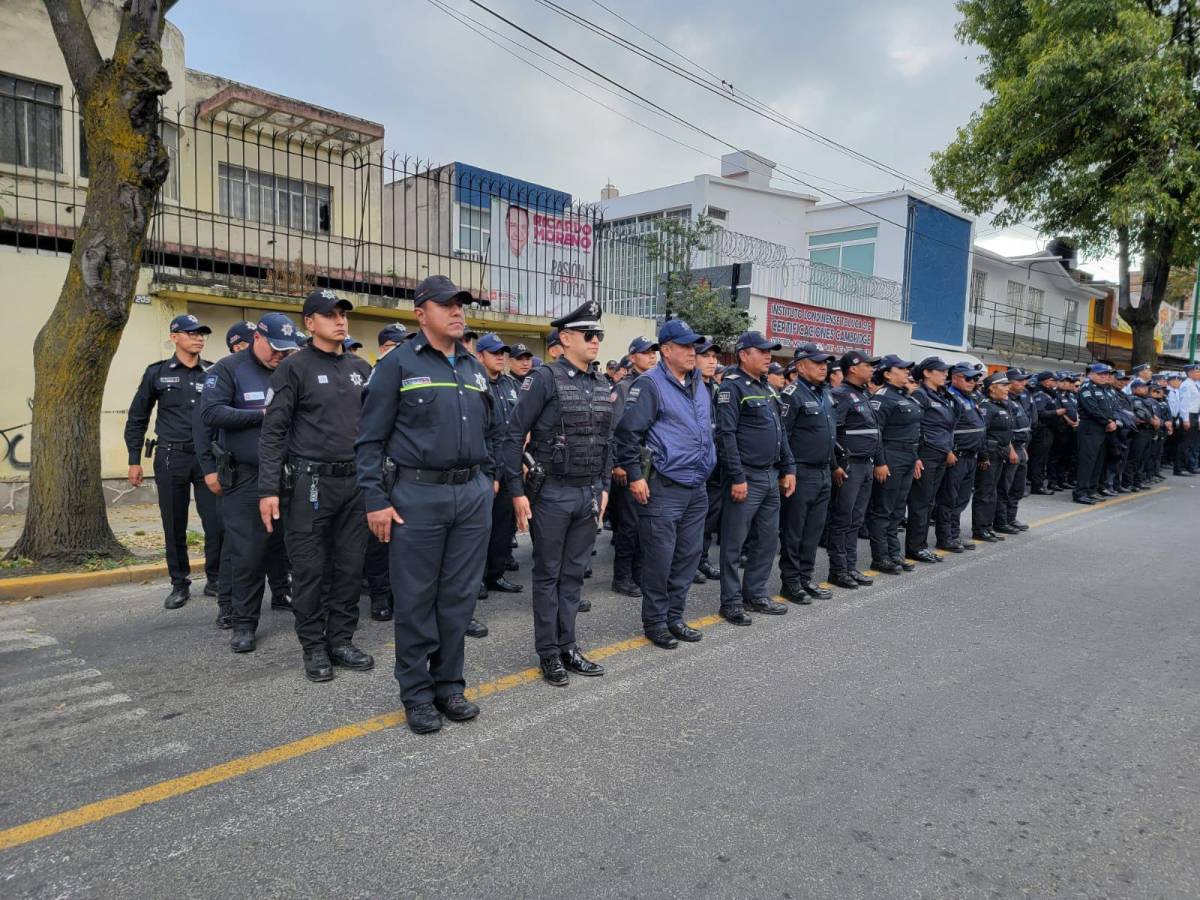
x,y
576,448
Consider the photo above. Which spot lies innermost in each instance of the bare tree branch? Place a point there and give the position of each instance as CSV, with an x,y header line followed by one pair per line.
x,y
77,42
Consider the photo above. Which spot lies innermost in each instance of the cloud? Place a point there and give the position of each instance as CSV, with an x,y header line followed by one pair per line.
x,y
917,41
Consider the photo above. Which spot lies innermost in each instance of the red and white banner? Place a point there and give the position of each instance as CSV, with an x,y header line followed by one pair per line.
x,y
837,332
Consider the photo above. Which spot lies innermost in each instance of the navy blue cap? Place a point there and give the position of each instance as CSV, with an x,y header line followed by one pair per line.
x,y
642,345
933,364
892,361
240,332
349,343
188,324
1046,376
517,351
491,343
279,331
324,301
966,369
1138,383
854,357
705,345
775,369
610,366
1119,374
755,339
552,339
1191,367
1099,369
392,334
442,290
812,352
1140,366
1017,375
677,331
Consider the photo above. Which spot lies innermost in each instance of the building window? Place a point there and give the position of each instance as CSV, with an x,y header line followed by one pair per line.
x,y
1016,297
1175,342
1037,299
1073,311
1100,312
978,290
853,249
720,217
474,228
170,138
30,124
273,200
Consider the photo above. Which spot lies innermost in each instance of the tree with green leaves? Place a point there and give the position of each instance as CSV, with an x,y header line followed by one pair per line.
x,y
708,310
1092,130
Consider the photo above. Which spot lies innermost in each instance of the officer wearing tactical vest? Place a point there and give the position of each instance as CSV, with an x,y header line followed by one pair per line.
x,y
426,458
668,413
306,476
997,450
899,418
862,452
236,392
567,409
811,427
174,385
1010,487
758,463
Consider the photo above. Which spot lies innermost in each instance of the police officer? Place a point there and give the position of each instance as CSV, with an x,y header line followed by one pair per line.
x,y
492,353
959,481
758,463
668,415
1097,418
1118,442
1048,409
1063,462
566,408
426,458
777,377
554,347
239,336
520,362
1010,488
935,456
627,563
860,457
174,385
811,427
1138,469
234,402
1189,417
997,450
708,368
306,476
203,438
898,416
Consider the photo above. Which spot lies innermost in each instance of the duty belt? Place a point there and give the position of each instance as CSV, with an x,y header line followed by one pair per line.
x,y
437,476
182,448
573,480
315,467
862,431
969,430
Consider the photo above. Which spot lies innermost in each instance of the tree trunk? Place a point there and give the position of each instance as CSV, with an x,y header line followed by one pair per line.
x,y
67,519
1158,245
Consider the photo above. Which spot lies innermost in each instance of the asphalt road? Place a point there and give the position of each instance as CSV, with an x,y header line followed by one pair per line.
x,y
1018,721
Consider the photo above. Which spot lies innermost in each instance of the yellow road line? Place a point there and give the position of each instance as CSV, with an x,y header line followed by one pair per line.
x,y
243,765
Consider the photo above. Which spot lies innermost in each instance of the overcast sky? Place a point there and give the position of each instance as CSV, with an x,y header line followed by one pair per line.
x,y
887,79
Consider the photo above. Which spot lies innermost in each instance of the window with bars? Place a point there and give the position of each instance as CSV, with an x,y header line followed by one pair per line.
x,y
1033,308
474,228
273,199
978,290
170,138
1016,297
30,124
1072,308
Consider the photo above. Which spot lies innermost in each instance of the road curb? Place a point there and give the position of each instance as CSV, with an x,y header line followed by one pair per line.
x,y
23,587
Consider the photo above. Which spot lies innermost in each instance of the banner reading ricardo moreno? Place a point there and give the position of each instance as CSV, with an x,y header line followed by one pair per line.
x,y
540,262
830,329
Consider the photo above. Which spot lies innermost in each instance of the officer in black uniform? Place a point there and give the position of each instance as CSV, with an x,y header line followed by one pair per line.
x,y
955,493
811,426
899,419
1097,418
236,392
1138,470
1064,460
202,438
174,385
306,475
758,463
566,408
492,353
997,450
1010,488
860,458
1048,409
627,557
239,336
1119,441
707,366
935,457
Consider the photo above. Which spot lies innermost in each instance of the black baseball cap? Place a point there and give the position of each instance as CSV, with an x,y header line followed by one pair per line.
x,y
1017,375
813,352
966,370
239,332
892,361
324,302
755,340
442,290
854,357
933,364
520,350
392,334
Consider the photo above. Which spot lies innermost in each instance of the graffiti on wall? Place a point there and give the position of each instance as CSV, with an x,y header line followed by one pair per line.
x,y
14,436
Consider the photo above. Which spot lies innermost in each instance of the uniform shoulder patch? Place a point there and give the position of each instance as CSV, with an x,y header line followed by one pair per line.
x,y
527,383
789,390
876,405
634,392
210,381
723,396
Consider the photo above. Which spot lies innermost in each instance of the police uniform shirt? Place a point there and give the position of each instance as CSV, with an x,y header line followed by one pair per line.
x,y
899,418
503,389
858,430
537,410
1046,406
236,392
1023,417
312,412
1095,403
424,410
750,429
810,422
969,432
175,388
997,422
939,416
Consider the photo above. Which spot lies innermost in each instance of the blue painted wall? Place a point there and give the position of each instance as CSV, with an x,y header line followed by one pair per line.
x,y
477,186
937,266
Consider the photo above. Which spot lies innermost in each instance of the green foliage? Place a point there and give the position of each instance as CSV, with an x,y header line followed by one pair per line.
x,y
708,310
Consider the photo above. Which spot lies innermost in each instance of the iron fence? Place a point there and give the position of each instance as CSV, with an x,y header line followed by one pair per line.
x,y
1001,328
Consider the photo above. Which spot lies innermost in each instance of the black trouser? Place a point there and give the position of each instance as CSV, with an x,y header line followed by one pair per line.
x,y
802,521
1014,478
921,497
1090,438
1063,459
326,546
436,566
378,574
1041,447
1137,470
254,554
758,514
953,497
225,575
564,531
847,511
627,563
714,489
987,481
886,508
176,475
670,531
504,526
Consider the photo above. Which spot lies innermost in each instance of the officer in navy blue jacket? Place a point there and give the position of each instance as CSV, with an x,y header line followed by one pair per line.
x,y
1097,418
236,392
1010,487
1048,410
935,457
493,353
668,413
959,483
899,417
811,427
758,462
998,423
426,455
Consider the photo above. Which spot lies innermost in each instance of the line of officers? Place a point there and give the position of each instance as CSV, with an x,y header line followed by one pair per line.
x,y
420,470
